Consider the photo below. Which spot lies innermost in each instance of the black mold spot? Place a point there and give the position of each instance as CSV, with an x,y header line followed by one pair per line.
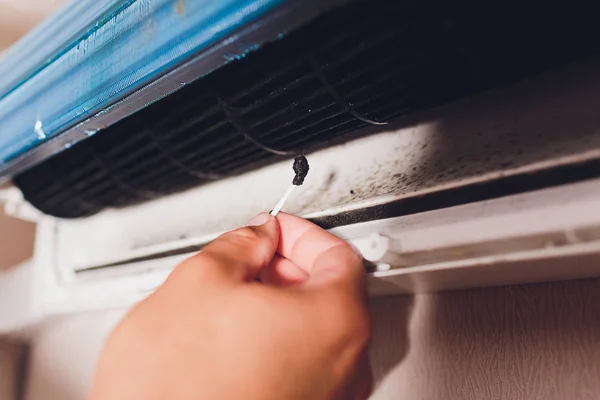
x,y
301,168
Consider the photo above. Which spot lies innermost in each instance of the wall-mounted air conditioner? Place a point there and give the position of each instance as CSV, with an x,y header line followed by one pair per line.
x,y
450,152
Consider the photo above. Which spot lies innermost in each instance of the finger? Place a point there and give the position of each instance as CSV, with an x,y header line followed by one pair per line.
x,y
325,257
282,272
303,242
339,268
238,255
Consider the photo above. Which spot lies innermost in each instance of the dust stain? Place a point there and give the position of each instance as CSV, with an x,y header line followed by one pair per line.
x,y
179,7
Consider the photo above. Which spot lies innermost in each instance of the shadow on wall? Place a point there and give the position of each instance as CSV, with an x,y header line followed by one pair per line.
x,y
529,342
390,317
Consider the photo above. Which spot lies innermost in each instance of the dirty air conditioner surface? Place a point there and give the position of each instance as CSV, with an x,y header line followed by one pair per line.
x,y
364,64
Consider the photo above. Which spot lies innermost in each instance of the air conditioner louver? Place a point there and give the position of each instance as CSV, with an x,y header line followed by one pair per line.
x,y
366,63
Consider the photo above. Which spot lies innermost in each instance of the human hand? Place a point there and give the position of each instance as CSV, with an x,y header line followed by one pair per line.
x,y
211,331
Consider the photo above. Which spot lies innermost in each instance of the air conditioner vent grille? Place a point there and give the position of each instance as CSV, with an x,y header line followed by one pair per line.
x,y
368,62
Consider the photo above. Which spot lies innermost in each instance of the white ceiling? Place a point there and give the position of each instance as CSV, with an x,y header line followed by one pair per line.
x,y
19,16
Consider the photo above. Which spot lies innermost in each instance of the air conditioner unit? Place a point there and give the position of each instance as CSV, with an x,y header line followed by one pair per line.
x,y
453,144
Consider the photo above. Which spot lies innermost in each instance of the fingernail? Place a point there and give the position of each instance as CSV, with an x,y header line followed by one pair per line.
x,y
260,219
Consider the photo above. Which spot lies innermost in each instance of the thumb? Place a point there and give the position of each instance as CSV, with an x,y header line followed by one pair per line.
x,y
239,255
339,269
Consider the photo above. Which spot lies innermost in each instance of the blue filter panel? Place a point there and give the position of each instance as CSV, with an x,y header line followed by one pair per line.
x,y
94,53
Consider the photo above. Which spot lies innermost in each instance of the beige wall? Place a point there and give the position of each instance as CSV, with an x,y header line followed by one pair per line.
x,y
19,16
530,342
63,356
521,342
16,240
